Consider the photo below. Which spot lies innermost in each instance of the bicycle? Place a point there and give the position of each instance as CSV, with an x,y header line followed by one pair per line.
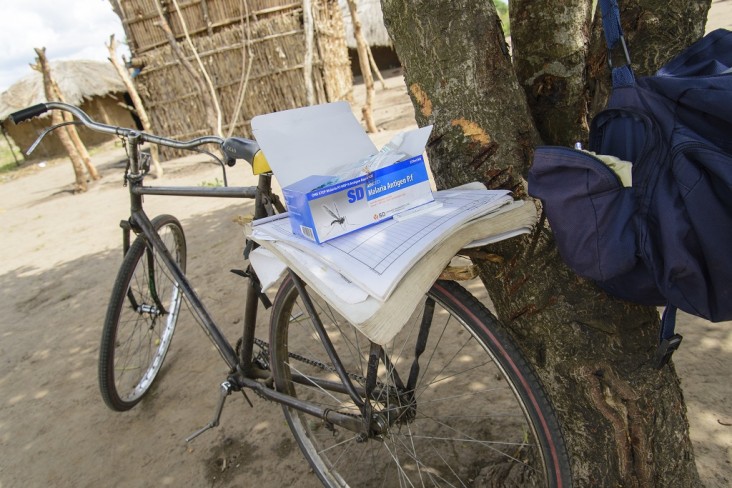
x,y
448,402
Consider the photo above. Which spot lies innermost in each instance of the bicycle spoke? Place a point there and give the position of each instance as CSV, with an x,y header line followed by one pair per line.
x,y
461,417
141,318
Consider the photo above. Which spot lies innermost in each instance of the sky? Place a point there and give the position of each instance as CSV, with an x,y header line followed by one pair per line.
x,y
68,29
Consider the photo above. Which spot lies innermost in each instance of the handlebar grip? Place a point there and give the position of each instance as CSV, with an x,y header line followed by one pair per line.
x,y
28,113
238,148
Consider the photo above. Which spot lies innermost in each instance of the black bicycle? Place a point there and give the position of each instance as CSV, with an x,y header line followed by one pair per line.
x,y
448,402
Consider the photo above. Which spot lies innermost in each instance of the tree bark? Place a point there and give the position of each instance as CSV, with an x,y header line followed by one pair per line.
x,y
56,118
136,101
655,31
624,422
553,74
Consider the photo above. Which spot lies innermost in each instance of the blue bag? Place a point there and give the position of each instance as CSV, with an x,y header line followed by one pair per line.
x,y
664,240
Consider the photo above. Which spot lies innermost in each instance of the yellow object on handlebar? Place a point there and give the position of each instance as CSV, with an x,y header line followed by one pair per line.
x,y
260,164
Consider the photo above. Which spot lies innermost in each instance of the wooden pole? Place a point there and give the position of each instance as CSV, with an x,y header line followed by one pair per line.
x,y
136,101
375,68
56,118
206,102
247,59
307,19
74,135
363,60
204,72
10,145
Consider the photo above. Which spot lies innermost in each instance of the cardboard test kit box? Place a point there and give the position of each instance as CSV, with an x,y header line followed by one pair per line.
x,y
333,179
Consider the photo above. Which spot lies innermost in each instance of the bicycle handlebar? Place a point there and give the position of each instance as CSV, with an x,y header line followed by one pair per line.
x,y
28,113
232,147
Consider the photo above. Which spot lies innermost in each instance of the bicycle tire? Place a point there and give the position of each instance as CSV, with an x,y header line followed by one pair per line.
x,y
480,419
137,334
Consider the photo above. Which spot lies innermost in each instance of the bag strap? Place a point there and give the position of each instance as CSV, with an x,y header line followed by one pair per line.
x,y
668,340
621,75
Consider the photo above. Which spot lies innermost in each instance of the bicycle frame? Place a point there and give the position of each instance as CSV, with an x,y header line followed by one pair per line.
x,y
242,371
144,309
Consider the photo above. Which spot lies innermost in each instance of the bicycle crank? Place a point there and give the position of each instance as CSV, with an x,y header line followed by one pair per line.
x,y
224,391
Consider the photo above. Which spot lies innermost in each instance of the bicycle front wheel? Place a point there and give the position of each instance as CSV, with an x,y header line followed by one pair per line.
x,y
141,317
457,404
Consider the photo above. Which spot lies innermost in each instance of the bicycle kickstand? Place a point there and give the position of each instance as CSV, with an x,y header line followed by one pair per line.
x,y
225,390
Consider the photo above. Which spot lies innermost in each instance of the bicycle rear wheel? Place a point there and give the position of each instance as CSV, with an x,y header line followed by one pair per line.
x,y
141,317
471,414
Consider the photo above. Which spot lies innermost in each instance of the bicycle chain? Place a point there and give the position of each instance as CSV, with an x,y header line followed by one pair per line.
x,y
264,346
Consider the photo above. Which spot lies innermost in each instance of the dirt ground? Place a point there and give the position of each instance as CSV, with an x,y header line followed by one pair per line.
x,y
60,253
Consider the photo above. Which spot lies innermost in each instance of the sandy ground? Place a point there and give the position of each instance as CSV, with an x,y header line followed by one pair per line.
x,y
60,256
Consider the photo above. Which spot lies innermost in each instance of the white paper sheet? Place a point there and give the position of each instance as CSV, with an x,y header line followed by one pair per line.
x,y
321,273
379,320
376,258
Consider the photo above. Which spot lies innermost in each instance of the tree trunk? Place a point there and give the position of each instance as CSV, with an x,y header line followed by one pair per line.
x,y
655,31
136,101
363,61
552,74
623,421
56,118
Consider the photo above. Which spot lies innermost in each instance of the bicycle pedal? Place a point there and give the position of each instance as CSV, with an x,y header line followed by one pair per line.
x,y
199,432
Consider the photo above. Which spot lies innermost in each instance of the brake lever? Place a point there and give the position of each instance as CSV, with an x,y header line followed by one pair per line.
x,y
46,131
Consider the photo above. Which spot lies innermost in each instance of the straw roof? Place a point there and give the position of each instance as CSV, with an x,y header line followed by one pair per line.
x,y
372,23
78,80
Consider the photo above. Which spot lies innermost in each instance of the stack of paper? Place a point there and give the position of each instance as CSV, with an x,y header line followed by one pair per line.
x,y
376,276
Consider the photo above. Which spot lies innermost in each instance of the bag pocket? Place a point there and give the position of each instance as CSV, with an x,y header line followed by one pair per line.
x,y
699,265
589,210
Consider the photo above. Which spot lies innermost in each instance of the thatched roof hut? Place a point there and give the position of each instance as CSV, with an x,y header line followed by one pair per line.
x,y
372,23
260,44
374,32
92,85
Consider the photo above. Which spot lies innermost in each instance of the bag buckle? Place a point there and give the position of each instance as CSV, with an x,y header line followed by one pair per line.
x,y
666,349
625,53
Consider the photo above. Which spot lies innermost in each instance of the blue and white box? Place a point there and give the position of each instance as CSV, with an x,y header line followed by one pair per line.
x,y
320,211
333,178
